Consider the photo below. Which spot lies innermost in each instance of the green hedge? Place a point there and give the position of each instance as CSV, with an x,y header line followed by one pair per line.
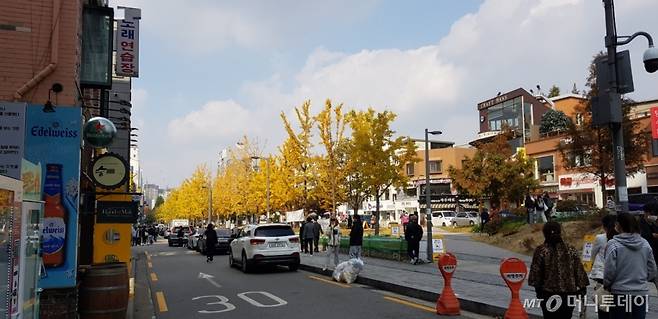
x,y
385,247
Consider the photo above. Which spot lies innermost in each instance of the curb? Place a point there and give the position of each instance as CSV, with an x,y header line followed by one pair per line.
x,y
143,302
466,304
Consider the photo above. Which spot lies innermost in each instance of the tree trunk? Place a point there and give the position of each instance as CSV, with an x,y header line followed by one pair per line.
x,y
377,214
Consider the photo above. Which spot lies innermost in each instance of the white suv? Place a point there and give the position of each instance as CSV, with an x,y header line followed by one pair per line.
x,y
443,218
271,244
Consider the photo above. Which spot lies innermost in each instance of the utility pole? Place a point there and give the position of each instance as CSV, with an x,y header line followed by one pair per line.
x,y
614,98
267,174
428,199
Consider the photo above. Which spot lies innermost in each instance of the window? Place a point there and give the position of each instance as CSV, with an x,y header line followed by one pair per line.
x,y
654,147
412,192
508,113
579,119
546,169
435,167
386,195
410,169
395,197
274,231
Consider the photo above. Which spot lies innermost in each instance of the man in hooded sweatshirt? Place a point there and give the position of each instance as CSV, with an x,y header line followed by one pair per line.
x,y
629,267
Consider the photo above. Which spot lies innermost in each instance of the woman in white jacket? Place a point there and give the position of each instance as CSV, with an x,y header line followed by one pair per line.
x,y
333,242
598,253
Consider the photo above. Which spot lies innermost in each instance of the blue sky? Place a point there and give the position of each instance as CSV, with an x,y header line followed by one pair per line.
x,y
212,71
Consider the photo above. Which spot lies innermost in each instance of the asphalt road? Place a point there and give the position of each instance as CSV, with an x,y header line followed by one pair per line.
x,y
183,285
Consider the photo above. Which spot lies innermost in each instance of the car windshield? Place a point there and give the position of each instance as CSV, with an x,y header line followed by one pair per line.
x,y
223,232
449,214
273,231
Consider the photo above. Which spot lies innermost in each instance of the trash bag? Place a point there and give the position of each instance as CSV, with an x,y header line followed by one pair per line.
x,y
347,271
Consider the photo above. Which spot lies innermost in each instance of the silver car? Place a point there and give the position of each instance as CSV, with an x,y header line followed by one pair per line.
x,y
466,219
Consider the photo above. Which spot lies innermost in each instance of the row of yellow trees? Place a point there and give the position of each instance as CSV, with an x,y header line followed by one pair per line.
x,y
327,159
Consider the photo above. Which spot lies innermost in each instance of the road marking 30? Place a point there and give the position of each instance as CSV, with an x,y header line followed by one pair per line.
x,y
280,302
162,304
154,277
222,301
330,281
410,304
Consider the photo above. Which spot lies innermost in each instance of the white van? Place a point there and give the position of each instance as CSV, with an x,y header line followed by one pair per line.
x,y
443,218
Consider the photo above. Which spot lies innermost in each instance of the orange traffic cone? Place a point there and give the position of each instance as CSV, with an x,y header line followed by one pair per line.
x,y
514,271
447,304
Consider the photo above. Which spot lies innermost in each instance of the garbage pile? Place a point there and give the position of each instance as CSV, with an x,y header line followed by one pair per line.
x,y
347,271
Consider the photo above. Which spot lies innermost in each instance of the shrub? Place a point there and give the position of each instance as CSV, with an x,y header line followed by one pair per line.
x,y
519,211
567,206
511,227
493,226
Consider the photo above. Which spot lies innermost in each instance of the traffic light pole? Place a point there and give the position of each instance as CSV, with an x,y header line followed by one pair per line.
x,y
616,129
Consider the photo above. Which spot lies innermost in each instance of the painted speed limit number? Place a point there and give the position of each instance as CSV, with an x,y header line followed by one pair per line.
x,y
219,304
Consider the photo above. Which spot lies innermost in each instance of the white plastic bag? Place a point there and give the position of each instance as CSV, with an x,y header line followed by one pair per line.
x,y
347,271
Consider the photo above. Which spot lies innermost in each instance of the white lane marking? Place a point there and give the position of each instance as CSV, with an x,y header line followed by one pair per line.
x,y
280,302
222,301
210,279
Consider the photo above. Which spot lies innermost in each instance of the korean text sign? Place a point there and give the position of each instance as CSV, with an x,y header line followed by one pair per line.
x,y
52,143
127,43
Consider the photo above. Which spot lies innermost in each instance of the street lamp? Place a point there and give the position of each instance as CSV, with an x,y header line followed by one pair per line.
x,y
267,174
613,96
428,200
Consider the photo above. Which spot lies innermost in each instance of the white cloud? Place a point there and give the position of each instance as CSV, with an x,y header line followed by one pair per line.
x,y
215,120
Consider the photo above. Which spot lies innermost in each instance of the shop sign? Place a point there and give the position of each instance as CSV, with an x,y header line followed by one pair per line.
x,y
58,181
578,181
99,132
127,44
110,212
109,171
654,122
12,134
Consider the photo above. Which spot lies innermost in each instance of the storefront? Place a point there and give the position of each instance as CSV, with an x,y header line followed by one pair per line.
x,y
586,188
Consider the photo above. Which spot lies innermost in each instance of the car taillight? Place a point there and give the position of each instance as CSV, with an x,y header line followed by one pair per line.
x,y
257,241
293,240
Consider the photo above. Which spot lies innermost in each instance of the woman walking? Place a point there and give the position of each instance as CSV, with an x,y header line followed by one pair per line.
x,y
629,267
211,242
598,251
333,242
557,274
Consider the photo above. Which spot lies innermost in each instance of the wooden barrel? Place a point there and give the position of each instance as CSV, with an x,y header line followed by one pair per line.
x,y
104,292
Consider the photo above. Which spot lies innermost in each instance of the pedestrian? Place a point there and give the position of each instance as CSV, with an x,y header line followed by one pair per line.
x,y
309,235
484,218
317,231
530,208
540,208
610,205
211,242
405,221
302,239
629,267
356,237
134,235
413,235
598,254
333,241
548,204
649,229
557,273
143,235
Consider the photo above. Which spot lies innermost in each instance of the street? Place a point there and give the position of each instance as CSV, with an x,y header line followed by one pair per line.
x,y
183,285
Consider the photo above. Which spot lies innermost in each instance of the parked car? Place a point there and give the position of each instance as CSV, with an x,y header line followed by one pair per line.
x,y
443,218
193,240
174,240
466,219
223,241
265,244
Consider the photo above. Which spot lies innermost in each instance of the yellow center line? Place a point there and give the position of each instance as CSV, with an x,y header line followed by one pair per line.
x,y
410,304
154,277
330,281
162,304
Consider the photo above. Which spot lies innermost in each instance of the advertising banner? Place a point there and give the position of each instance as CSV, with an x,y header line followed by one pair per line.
x,y
654,122
12,131
52,145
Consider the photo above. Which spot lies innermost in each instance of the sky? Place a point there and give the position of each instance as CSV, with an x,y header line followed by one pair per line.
x,y
214,71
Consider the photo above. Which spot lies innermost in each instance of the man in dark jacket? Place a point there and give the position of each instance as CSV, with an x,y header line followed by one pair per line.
x,y
413,235
211,242
309,235
302,240
317,231
356,237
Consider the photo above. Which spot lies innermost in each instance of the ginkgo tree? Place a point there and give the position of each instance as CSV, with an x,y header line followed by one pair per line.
x,y
331,165
377,156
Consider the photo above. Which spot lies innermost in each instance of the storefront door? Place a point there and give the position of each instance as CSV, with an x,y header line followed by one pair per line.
x,y
31,264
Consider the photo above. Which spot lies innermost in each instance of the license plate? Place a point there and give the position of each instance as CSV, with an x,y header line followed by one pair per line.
x,y
275,245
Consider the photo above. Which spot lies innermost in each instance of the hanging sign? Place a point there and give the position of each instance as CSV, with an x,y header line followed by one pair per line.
x,y
109,171
116,212
99,132
127,45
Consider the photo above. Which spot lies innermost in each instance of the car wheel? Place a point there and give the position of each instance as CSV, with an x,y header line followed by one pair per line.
x,y
443,224
454,224
231,262
471,223
245,264
293,267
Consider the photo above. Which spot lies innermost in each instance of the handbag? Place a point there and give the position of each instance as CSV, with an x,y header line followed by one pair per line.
x,y
598,297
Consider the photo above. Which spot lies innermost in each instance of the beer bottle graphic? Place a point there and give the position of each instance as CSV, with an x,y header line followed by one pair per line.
x,y
54,222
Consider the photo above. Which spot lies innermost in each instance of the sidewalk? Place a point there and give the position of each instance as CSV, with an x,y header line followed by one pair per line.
x,y
476,281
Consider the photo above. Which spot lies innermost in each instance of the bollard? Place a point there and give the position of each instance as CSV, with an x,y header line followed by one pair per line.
x,y
447,304
514,271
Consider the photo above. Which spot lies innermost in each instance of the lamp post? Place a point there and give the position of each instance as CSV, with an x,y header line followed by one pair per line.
x,y
428,199
614,96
